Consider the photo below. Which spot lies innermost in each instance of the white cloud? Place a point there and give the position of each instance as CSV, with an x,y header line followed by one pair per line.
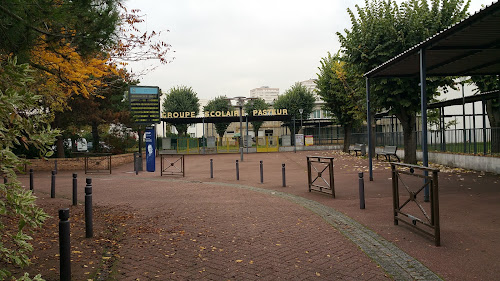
x,y
232,46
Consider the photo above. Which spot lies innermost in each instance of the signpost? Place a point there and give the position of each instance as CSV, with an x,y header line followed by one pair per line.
x,y
145,104
145,108
150,149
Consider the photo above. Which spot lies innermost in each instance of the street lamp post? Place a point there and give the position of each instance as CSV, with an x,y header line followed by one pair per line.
x,y
301,110
239,103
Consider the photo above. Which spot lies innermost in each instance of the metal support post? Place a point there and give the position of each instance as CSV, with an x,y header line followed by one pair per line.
x,y
369,128
64,245
261,172
211,168
53,185
423,106
361,191
294,138
474,127
283,174
31,180
237,171
240,105
89,231
75,193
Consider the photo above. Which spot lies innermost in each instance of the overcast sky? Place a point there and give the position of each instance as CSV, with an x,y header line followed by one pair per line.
x,y
228,47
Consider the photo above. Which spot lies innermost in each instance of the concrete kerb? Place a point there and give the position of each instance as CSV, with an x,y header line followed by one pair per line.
x,y
393,260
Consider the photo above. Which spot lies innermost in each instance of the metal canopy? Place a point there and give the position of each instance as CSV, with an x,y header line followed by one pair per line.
x,y
470,47
468,99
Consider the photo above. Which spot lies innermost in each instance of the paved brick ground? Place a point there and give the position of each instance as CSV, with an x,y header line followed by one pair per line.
x,y
198,228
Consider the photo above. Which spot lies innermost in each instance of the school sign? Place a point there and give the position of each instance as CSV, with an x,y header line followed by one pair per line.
x,y
230,113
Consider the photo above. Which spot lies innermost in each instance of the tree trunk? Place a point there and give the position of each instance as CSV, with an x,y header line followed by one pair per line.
x,y
60,147
494,118
59,139
347,137
95,137
410,142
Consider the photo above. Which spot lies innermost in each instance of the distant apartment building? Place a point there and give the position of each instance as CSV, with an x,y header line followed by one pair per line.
x,y
311,86
265,93
318,112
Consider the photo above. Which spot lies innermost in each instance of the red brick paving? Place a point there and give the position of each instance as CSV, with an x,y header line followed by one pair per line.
x,y
193,231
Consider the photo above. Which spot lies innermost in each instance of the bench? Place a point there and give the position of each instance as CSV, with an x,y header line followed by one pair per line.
x,y
389,151
357,147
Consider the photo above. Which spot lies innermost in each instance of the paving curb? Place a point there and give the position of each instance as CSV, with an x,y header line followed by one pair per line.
x,y
393,260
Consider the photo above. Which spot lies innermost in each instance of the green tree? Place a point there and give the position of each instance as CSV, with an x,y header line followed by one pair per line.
x,y
181,99
220,103
342,94
382,30
485,84
90,26
295,98
256,104
22,122
107,107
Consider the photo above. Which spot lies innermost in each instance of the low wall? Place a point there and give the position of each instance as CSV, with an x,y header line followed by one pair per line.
x,y
310,148
70,164
469,162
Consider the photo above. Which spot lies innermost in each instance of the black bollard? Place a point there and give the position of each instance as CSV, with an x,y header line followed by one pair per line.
x,y
64,245
261,172
89,231
4,179
211,168
53,185
237,171
31,180
361,191
283,174
55,166
75,190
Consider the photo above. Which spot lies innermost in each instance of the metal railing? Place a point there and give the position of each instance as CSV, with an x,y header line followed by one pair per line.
x,y
413,211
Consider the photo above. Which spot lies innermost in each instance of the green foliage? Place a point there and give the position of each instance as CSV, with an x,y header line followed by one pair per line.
x,y
382,30
485,84
256,104
22,122
181,99
219,104
90,25
107,107
295,98
341,91
488,83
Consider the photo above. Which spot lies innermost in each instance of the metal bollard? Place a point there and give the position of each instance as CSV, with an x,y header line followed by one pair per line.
x,y
64,245
211,168
361,191
55,165
283,174
237,170
31,180
89,231
261,172
53,185
75,190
